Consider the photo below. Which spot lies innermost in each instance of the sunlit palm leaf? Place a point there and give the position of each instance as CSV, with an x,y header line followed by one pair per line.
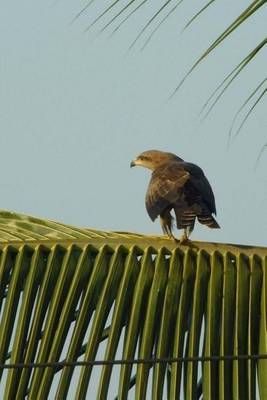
x,y
172,10
125,19
67,294
104,13
264,147
254,6
198,14
248,12
250,111
243,106
160,10
87,5
230,78
117,15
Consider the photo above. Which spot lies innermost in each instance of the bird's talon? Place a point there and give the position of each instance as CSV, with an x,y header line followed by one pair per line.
x,y
184,240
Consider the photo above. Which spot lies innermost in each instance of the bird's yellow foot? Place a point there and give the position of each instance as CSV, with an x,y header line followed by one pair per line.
x,y
184,240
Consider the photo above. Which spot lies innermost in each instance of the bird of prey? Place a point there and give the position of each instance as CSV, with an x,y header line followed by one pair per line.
x,y
179,186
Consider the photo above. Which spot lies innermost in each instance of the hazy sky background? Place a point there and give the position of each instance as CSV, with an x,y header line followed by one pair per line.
x,y
75,108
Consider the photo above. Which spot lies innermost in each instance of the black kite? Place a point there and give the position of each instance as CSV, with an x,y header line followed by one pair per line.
x,y
179,186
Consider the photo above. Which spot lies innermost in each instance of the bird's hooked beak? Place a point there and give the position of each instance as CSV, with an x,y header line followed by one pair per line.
x,y
133,163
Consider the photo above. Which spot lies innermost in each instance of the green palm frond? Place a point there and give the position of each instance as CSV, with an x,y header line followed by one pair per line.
x,y
160,23
110,7
87,5
127,17
149,22
262,83
68,294
262,150
263,93
117,15
254,6
228,80
195,16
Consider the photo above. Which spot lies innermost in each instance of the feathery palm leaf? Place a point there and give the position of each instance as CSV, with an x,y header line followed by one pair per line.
x,y
254,6
201,11
264,147
263,93
160,23
228,80
244,105
68,294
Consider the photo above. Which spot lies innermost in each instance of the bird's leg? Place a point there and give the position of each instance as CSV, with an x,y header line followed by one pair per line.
x,y
166,225
185,237
163,226
171,235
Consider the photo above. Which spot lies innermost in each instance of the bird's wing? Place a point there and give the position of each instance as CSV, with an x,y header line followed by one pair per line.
x,y
202,185
165,187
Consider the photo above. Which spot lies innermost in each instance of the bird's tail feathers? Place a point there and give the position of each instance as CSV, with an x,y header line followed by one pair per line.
x,y
209,220
185,218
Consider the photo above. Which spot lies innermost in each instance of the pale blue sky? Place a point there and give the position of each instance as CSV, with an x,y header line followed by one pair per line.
x,y
75,111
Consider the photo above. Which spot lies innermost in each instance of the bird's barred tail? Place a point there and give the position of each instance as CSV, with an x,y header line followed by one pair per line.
x,y
185,219
209,220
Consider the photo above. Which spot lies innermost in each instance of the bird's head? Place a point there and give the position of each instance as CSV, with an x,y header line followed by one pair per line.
x,y
153,159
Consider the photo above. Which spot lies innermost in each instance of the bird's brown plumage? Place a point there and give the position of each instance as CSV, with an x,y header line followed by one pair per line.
x,y
179,186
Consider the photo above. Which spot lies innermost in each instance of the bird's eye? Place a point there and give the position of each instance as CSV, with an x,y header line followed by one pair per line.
x,y
143,158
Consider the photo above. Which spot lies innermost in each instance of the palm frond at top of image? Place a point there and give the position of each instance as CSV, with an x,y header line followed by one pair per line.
x,y
123,8
245,103
130,14
153,18
262,150
248,113
196,15
101,15
160,23
126,7
249,11
82,11
127,17
228,80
